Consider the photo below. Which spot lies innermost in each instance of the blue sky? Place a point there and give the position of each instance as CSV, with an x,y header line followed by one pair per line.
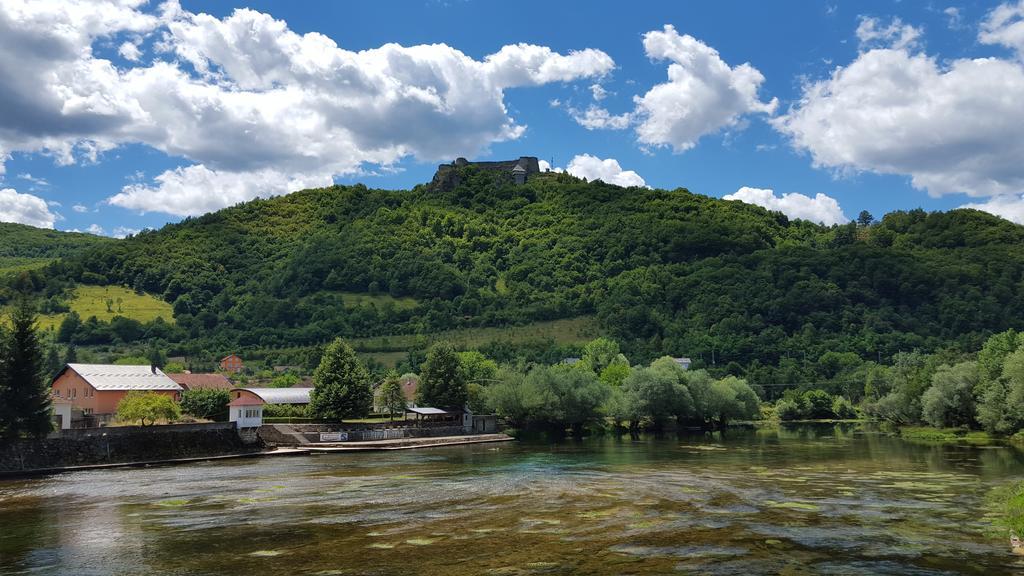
x,y
123,115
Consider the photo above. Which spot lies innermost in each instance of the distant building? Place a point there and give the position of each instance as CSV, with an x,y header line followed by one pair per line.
x,y
519,171
95,389
232,364
61,413
683,363
409,388
246,406
189,381
570,361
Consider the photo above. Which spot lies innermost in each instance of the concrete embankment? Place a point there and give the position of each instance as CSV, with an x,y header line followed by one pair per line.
x,y
125,445
94,451
406,443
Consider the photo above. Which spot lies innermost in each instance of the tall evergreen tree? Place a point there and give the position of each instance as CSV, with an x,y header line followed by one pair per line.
x,y
442,383
25,394
341,384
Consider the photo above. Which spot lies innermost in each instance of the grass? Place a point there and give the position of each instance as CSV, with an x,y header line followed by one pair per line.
x,y
91,301
566,331
945,435
379,300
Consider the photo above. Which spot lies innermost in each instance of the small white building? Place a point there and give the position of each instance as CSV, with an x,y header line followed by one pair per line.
x,y
246,406
683,363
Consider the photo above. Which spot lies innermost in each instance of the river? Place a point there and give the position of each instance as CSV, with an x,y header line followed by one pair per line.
x,y
810,500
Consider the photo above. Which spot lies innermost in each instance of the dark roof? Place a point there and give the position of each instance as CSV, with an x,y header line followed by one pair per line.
x,y
202,381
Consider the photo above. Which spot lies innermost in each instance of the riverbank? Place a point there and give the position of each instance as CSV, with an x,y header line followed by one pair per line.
x,y
369,446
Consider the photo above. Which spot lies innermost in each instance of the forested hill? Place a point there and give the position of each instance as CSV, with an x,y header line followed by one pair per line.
x,y
665,272
21,241
23,247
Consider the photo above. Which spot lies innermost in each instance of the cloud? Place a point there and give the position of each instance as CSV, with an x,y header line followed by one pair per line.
x,y
822,208
596,118
122,231
607,170
129,51
955,21
951,127
1010,207
196,189
896,35
598,92
295,107
41,182
1004,25
25,209
703,95
80,208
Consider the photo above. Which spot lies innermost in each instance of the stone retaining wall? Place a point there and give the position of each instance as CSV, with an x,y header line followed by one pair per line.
x,y
124,444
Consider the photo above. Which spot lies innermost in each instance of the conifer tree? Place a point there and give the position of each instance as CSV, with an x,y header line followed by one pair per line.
x,y
442,383
24,393
341,384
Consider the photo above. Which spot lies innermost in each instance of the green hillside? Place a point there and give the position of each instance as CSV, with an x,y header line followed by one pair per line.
x,y
21,245
664,272
106,302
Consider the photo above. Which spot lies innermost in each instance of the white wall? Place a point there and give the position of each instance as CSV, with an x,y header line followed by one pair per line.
x,y
246,416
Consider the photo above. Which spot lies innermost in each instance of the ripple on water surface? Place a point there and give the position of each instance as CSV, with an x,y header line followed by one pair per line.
x,y
759,502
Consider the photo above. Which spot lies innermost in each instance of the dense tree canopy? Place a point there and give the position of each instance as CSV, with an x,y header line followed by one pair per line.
x,y
739,289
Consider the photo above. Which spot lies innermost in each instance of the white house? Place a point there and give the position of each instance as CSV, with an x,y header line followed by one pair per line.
x,y
246,406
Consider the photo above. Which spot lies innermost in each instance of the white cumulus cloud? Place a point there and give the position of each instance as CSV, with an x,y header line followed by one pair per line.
x,y
951,126
703,95
1005,25
597,118
607,170
25,209
254,106
822,209
1010,207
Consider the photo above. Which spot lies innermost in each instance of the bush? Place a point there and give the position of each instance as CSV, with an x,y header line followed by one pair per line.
x,y
147,407
818,405
843,409
787,409
286,411
208,404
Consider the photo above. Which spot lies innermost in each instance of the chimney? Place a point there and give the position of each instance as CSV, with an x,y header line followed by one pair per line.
x,y
152,368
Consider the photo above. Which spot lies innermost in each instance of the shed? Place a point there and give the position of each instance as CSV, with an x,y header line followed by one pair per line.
x,y
246,412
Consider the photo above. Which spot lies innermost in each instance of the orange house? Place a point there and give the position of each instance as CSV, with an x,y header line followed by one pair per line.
x,y
231,363
95,389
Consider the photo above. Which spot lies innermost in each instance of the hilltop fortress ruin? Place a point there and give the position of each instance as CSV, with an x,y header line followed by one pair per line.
x,y
518,171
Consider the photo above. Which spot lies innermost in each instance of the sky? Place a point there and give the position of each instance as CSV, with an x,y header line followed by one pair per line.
x,y
120,115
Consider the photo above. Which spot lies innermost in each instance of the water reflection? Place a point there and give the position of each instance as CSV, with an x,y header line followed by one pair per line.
x,y
805,500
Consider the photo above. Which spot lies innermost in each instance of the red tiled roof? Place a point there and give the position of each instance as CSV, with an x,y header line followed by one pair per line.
x,y
202,381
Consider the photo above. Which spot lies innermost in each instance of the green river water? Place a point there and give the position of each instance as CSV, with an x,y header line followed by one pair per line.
x,y
811,500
